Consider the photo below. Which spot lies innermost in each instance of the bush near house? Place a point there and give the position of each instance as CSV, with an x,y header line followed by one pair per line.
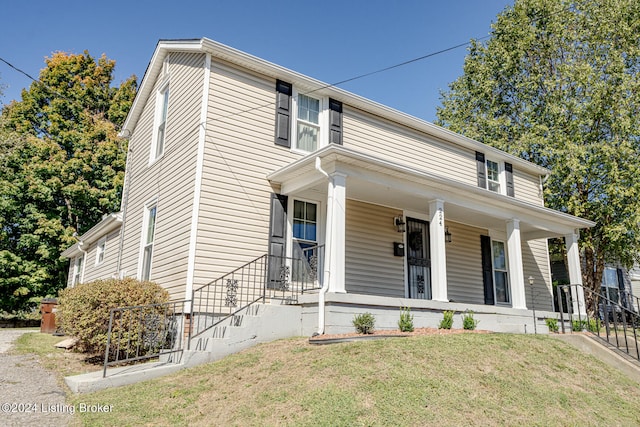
x,y
364,323
83,311
468,321
405,324
447,320
552,324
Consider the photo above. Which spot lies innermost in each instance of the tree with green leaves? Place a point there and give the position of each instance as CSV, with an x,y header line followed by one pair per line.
x,y
558,84
61,169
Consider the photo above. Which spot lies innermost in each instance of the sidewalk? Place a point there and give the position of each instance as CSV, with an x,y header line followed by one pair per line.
x,y
29,394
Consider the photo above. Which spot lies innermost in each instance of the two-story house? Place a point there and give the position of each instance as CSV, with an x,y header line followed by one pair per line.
x,y
232,157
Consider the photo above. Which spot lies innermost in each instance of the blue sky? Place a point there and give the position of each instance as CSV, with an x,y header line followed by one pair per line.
x,y
329,40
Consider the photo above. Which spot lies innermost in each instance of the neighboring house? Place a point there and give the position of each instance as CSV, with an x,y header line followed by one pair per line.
x,y
232,157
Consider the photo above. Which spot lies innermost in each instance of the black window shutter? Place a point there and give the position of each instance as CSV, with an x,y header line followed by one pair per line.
x,y
335,122
508,168
277,239
487,269
283,113
482,174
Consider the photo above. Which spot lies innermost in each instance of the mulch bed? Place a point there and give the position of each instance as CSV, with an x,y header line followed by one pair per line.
x,y
385,333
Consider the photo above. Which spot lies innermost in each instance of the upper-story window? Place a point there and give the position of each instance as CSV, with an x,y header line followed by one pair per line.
x,y
162,108
308,123
100,250
494,175
305,122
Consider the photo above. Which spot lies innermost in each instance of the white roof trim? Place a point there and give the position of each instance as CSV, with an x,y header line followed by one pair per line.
x,y
109,223
242,59
292,172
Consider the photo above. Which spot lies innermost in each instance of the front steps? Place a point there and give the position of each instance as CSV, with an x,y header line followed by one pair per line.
x,y
258,323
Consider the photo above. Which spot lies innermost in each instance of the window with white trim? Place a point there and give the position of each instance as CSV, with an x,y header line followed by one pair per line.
x,y
100,249
305,223
148,241
493,176
160,124
308,123
500,272
496,176
77,270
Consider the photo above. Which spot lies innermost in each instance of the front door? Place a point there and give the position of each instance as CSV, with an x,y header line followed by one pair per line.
x,y
418,260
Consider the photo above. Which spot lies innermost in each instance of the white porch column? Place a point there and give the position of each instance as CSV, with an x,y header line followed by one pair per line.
x,y
516,273
438,252
335,228
575,274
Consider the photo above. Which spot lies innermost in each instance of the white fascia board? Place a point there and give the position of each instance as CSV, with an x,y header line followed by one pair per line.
x,y
71,251
461,192
108,224
151,74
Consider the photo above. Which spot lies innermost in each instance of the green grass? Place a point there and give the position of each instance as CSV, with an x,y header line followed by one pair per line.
x,y
62,362
463,379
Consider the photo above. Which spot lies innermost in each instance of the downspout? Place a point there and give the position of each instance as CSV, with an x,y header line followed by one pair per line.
x,y
84,259
124,202
327,272
543,179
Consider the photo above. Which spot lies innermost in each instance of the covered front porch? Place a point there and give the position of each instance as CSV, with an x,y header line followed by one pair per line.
x,y
397,236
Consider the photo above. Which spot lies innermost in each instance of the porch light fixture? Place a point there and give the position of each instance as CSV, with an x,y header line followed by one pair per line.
x,y
399,223
447,235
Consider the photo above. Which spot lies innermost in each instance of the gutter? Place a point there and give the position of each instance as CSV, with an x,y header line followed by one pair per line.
x,y
327,272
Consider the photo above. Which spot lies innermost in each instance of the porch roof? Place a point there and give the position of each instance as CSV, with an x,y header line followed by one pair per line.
x,y
378,181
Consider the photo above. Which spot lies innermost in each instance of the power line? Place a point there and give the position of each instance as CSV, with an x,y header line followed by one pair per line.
x,y
17,69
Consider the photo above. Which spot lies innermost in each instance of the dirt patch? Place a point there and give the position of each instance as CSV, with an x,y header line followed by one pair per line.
x,y
397,333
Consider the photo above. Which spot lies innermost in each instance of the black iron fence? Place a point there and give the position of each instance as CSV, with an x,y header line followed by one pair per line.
x,y
267,277
145,332
612,322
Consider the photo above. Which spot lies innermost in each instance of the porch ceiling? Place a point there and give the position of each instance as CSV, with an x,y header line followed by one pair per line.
x,y
378,181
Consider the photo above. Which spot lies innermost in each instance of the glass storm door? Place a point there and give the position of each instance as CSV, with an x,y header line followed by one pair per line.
x,y
418,262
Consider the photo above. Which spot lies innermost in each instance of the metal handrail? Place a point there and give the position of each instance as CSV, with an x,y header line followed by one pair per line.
x,y
620,323
143,332
267,276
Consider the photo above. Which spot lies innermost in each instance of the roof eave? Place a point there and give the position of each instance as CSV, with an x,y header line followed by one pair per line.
x,y
259,65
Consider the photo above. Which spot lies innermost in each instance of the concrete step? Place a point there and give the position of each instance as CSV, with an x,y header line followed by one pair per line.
x,y
116,377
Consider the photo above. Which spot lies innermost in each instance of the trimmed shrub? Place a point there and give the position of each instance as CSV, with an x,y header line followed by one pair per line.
x,y
447,320
405,324
583,325
83,311
552,324
364,323
468,322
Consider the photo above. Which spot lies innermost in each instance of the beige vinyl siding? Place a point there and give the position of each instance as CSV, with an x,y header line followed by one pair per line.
x,y
370,266
239,153
535,260
527,187
464,264
170,179
382,138
107,269
72,263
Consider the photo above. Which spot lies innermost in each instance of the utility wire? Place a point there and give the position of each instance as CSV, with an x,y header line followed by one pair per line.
x,y
17,69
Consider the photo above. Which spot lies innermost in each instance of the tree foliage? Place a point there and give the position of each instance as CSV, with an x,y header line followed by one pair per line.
x,y
61,169
558,83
